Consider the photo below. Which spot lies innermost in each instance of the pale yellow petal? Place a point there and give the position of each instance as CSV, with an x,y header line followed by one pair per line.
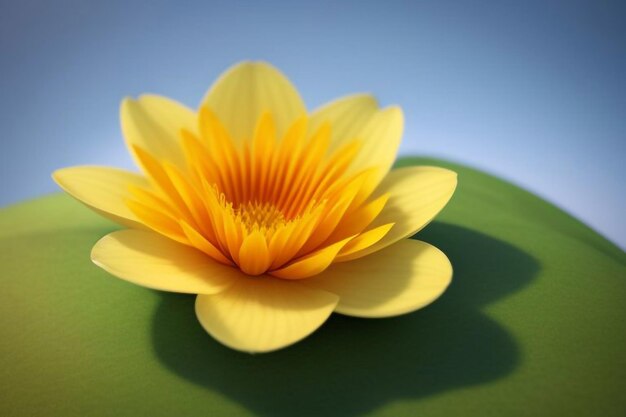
x,y
399,279
151,260
359,117
102,189
416,196
347,116
247,90
380,138
264,314
154,123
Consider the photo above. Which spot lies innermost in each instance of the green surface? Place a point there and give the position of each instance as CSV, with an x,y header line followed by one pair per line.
x,y
534,324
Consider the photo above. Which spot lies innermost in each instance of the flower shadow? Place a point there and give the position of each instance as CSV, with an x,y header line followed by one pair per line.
x,y
352,366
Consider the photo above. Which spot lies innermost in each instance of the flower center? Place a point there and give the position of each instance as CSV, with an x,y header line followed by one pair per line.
x,y
256,215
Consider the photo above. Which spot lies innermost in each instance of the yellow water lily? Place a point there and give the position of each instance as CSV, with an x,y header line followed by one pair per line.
x,y
273,216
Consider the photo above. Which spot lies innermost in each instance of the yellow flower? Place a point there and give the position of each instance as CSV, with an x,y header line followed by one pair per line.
x,y
273,216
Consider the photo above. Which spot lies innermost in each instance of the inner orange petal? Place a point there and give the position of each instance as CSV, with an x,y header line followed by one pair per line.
x,y
268,205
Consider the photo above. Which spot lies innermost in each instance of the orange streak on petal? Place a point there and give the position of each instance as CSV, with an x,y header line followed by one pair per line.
x,y
290,154
311,162
226,157
263,147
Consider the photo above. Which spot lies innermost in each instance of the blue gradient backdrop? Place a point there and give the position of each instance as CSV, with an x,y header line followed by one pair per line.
x,y
534,91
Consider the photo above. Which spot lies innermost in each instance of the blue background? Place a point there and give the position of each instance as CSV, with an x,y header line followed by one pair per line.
x,y
533,91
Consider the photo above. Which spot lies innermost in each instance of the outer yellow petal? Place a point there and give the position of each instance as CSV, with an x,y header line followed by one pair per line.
x,y
247,90
151,260
347,116
381,138
359,117
416,195
102,189
154,123
264,314
402,278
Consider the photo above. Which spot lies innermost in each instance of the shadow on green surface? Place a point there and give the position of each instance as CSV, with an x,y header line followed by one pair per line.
x,y
352,366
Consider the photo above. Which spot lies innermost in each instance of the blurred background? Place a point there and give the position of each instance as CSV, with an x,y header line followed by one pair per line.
x,y
532,91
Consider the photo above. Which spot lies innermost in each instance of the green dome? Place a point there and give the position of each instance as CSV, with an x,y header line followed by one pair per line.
x,y
534,323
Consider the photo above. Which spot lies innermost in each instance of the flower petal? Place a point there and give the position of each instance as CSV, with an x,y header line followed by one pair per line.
x,y
159,221
347,116
402,278
154,123
363,240
200,242
359,117
151,260
416,195
313,263
102,189
247,90
264,314
254,256
381,138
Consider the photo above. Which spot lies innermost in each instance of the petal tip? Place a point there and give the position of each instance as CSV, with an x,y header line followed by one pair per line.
x,y
395,111
57,176
126,102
